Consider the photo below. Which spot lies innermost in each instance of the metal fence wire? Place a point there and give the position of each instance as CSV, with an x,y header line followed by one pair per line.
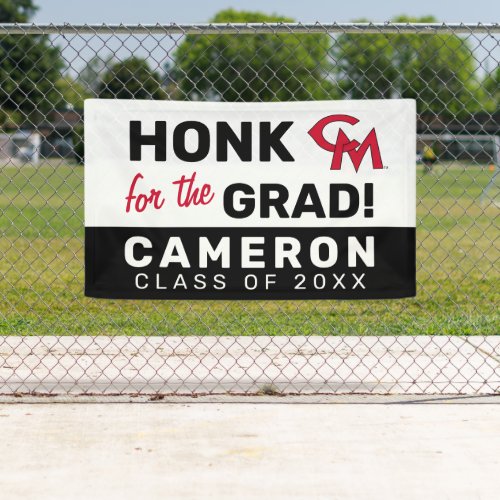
x,y
53,340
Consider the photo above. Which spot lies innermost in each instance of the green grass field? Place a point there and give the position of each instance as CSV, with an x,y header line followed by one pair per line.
x,y
41,265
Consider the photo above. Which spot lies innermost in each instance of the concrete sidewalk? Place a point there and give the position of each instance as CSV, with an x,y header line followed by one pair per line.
x,y
197,365
233,451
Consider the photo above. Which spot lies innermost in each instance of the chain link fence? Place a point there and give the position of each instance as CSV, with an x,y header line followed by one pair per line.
x,y
53,340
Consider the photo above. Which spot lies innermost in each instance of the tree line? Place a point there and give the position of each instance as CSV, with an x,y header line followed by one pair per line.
x,y
439,71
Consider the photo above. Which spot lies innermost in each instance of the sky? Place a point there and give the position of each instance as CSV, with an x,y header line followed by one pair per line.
x,y
78,51
198,11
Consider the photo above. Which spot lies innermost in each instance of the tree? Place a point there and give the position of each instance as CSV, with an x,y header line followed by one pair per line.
x,y
491,88
71,94
436,70
131,79
16,11
91,76
29,67
279,67
365,68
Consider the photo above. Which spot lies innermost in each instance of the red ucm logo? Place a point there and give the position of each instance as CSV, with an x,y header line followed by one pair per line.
x,y
356,150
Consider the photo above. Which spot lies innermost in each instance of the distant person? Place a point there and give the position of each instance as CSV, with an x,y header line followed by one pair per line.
x,y
428,158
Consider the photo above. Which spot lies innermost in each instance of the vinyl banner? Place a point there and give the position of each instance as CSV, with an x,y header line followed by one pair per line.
x,y
299,200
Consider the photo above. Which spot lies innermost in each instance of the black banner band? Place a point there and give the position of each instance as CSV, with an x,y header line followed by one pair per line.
x,y
109,275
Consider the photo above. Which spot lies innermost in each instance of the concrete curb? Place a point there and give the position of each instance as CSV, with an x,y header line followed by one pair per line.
x,y
362,399
185,366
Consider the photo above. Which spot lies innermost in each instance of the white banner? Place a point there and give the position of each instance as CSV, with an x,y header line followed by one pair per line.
x,y
221,188
109,170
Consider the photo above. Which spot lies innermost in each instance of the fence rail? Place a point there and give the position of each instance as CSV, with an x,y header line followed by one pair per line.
x,y
249,28
53,340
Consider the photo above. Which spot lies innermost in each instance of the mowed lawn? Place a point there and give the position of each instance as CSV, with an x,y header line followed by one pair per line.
x,y
41,268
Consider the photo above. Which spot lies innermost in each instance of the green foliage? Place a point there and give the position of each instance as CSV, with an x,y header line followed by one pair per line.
x,y
16,11
29,67
365,68
253,67
71,94
436,70
91,76
491,87
131,79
